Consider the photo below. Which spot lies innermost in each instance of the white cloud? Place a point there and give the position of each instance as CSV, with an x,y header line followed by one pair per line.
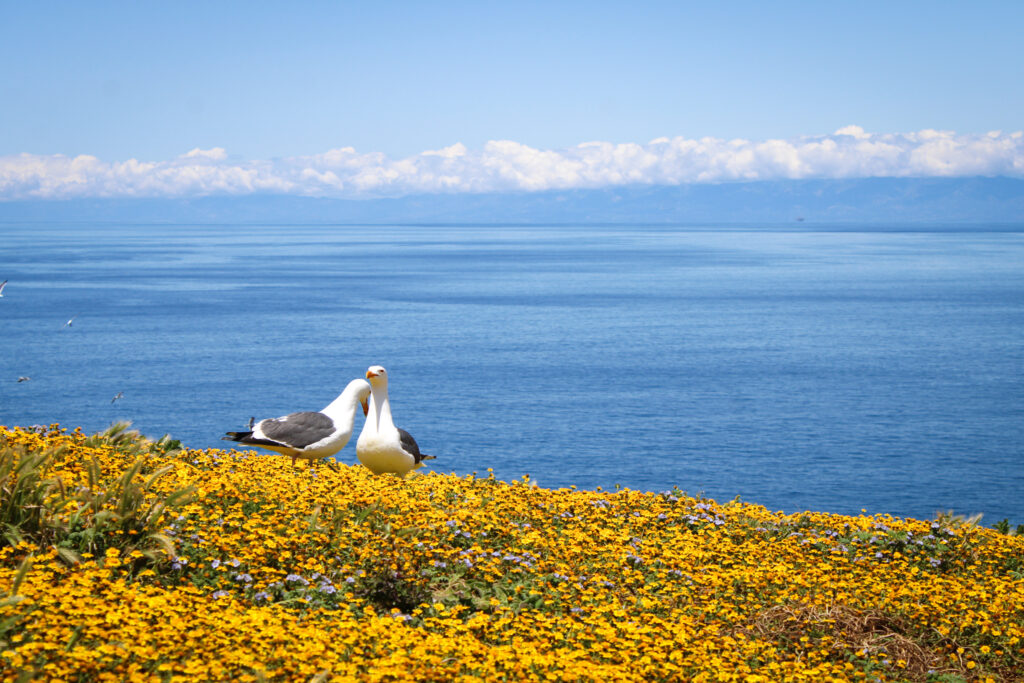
x,y
852,131
505,165
216,154
456,150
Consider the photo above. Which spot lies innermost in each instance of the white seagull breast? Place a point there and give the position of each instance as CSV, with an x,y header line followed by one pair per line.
x,y
381,446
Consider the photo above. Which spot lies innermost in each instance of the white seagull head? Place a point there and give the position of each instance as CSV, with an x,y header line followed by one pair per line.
x,y
360,389
377,376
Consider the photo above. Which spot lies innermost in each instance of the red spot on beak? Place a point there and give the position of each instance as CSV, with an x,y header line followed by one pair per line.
x,y
366,407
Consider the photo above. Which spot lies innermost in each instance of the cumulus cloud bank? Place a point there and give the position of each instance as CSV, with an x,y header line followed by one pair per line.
x,y
506,166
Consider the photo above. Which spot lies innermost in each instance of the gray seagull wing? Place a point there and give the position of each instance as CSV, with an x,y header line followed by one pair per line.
x,y
298,430
410,446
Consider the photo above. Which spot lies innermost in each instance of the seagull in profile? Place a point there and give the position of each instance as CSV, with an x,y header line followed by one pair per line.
x,y
24,378
68,323
310,435
383,447
2,285
120,394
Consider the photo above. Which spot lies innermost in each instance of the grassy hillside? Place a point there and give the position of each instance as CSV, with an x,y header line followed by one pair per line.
x,y
127,559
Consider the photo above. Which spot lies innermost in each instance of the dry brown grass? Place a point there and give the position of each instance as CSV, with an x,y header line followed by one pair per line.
x,y
848,631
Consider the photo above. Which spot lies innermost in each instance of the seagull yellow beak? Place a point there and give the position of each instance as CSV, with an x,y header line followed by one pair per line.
x,y
370,373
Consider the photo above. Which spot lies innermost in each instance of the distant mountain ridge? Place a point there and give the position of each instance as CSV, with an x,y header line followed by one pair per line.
x,y
874,200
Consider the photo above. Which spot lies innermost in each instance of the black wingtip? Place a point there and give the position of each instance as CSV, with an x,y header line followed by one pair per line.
x,y
236,436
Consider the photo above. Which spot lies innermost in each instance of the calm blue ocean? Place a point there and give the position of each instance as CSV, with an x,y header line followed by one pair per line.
x,y
802,369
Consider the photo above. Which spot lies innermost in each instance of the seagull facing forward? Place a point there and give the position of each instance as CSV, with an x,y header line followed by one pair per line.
x,y
383,447
309,435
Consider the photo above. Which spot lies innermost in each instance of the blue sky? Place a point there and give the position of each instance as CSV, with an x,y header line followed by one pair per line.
x,y
245,84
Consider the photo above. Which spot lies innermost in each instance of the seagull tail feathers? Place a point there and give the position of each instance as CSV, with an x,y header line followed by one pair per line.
x,y
236,436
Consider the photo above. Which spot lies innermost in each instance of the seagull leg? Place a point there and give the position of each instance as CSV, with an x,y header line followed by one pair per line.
x,y
293,462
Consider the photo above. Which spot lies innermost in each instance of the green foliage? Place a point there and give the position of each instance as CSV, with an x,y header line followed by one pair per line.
x,y
25,489
1003,527
108,510
950,518
122,440
10,619
387,590
950,545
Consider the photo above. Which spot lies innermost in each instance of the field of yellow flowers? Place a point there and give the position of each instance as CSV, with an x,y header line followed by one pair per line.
x,y
129,559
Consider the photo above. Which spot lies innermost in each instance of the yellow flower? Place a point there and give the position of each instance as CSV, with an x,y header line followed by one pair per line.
x,y
281,575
